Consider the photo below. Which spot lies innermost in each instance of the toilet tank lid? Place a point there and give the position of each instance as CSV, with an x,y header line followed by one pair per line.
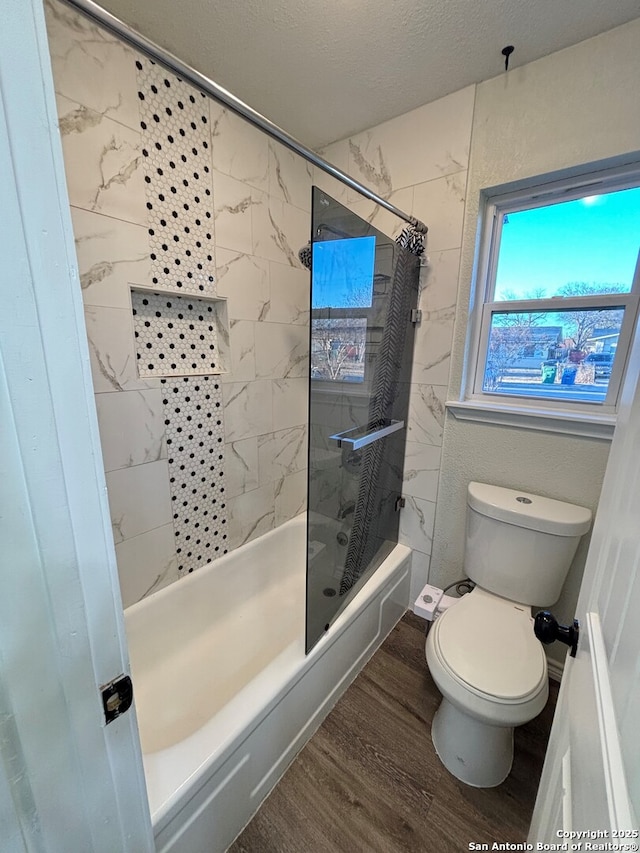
x,y
531,511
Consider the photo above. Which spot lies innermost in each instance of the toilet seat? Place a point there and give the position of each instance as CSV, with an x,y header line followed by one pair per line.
x,y
486,644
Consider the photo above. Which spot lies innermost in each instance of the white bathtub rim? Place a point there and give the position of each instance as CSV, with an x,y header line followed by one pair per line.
x,y
213,565
295,665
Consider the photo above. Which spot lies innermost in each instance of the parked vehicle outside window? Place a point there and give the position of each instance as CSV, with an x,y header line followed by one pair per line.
x,y
602,362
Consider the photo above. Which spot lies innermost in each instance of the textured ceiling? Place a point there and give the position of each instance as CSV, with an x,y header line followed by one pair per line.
x,y
325,69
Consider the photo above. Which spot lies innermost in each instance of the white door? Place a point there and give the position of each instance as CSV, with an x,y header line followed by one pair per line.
x,y
591,776
69,783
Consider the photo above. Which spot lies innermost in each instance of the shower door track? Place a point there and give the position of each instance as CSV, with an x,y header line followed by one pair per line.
x,y
223,96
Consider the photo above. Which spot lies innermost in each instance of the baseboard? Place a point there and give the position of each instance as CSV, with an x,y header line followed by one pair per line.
x,y
555,669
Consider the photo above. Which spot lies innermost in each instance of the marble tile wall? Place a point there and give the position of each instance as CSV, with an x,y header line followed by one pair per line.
x,y
259,216
260,211
419,162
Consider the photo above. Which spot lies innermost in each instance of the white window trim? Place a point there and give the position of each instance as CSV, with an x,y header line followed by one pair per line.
x,y
588,419
534,417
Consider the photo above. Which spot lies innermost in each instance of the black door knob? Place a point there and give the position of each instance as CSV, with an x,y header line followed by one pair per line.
x,y
547,630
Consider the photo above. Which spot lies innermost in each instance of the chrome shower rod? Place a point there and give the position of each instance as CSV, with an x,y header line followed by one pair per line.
x,y
223,96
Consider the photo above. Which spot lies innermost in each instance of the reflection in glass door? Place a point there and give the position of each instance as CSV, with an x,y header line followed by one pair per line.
x,y
363,289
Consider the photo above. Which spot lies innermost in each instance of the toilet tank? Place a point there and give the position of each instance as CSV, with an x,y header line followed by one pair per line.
x,y
519,545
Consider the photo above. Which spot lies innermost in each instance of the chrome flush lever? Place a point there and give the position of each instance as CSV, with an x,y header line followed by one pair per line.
x,y
547,630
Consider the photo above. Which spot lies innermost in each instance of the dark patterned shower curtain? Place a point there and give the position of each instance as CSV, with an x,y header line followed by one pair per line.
x,y
390,383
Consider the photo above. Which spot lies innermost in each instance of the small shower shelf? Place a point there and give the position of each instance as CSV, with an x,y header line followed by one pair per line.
x,y
177,334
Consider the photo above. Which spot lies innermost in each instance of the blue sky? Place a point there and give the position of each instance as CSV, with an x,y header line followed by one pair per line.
x,y
594,239
343,272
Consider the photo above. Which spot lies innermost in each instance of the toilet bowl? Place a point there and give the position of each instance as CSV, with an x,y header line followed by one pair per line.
x,y
482,652
492,673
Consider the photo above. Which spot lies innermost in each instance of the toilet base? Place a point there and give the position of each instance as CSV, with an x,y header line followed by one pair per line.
x,y
474,752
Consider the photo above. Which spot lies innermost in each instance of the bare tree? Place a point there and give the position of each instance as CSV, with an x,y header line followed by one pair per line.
x,y
580,325
510,336
510,295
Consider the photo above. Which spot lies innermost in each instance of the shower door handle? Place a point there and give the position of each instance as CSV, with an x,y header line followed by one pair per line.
x,y
361,436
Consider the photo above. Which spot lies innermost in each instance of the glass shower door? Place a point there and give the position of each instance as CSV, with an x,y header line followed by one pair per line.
x,y
363,289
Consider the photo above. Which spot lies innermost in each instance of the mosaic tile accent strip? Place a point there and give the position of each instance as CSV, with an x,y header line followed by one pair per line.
x,y
177,166
178,179
179,335
195,445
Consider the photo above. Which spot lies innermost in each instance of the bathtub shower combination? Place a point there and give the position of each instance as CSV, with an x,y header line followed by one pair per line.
x,y
237,661
218,733
236,665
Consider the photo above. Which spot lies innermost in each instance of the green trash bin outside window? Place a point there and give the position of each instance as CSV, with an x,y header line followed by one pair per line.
x,y
549,371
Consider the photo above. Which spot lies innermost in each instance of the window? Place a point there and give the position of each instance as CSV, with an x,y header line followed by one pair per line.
x,y
556,301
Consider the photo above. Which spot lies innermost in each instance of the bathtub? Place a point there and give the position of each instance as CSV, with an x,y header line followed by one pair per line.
x,y
225,696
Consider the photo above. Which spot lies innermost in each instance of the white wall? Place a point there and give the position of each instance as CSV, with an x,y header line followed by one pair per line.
x,y
575,107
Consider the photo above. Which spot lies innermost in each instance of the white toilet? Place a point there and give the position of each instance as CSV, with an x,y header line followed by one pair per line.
x,y
482,652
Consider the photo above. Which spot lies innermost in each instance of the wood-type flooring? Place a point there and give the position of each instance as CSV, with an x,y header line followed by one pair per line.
x,y
369,780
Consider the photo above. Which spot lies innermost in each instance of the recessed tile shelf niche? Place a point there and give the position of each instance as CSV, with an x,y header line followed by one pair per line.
x,y
179,335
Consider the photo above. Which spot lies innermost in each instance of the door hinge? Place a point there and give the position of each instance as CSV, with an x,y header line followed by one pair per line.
x,y
400,502
117,697
416,315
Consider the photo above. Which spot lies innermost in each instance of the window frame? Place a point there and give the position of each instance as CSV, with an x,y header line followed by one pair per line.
x,y
538,412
